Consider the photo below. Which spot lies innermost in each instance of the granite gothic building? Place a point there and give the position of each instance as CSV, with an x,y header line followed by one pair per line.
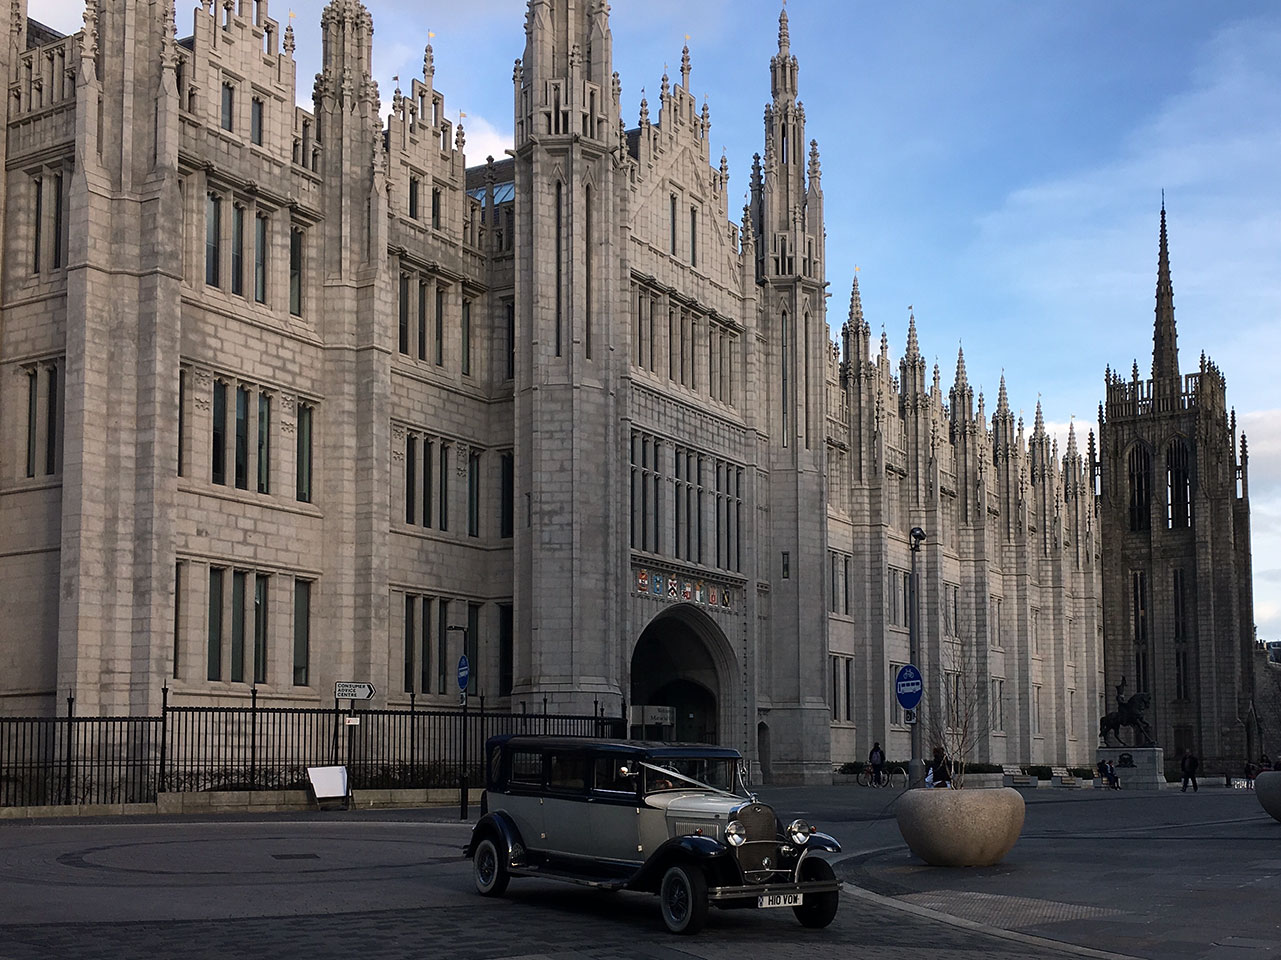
x,y
1175,510
292,396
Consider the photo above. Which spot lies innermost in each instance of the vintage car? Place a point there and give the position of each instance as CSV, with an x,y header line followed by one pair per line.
x,y
665,818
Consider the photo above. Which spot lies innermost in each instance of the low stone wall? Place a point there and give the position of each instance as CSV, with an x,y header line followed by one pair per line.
x,y
240,801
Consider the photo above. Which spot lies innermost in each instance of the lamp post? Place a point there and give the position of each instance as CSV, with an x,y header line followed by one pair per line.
x,y
916,764
462,777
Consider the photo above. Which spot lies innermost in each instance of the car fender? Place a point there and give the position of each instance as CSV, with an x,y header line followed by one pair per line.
x,y
712,855
824,842
499,825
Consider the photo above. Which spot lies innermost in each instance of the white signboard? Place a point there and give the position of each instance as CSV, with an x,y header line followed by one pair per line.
x,y
344,690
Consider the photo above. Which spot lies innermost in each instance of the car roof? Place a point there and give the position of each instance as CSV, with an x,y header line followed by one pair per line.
x,y
651,748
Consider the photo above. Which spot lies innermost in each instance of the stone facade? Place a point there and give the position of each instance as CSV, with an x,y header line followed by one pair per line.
x,y
1175,514
289,397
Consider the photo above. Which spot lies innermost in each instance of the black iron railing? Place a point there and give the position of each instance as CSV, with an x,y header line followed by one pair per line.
x,y
97,760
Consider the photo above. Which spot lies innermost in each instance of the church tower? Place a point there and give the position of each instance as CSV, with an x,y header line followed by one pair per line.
x,y
570,472
1175,513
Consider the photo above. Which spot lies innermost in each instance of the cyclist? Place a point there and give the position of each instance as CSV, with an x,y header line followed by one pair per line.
x,y
877,759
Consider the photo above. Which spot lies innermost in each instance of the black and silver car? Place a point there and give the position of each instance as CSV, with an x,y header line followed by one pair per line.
x,y
671,819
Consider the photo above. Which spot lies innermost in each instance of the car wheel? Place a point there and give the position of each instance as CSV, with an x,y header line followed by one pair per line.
x,y
488,870
683,898
819,909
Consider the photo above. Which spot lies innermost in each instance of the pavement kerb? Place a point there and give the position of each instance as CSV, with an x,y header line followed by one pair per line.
x,y
916,910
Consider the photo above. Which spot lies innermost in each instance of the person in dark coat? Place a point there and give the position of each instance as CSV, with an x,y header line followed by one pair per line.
x,y
1188,765
877,759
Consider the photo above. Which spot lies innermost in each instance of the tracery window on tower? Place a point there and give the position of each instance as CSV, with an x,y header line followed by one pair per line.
x,y
1140,481
785,382
1178,483
1139,627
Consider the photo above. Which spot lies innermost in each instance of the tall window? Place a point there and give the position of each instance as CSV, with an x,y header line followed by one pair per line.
x,y
237,249
411,640
242,438
218,460
51,423
182,421
1139,624
403,330
295,271
444,487
1178,481
998,705
411,478
33,419
504,649
260,258
435,208
238,579
693,236
440,326
214,646
424,649
473,493
1036,710
213,238
466,338
442,638
472,650
587,271
260,628
783,342
507,495
994,624
1035,626
228,106
413,198
1182,657
305,412
672,219
255,121
177,614
422,319
560,265
302,632
57,221
1140,476
428,469
38,185
511,340
264,443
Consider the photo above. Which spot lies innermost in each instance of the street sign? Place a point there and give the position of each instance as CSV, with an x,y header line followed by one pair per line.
x,y
908,687
344,690
464,672
909,717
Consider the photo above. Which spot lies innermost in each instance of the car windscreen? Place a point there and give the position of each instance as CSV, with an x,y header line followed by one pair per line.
x,y
718,772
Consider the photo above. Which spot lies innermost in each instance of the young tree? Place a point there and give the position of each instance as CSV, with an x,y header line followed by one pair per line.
x,y
956,720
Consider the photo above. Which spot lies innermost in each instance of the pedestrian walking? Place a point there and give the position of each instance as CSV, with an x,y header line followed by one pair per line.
x,y
1188,765
1110,772
877,759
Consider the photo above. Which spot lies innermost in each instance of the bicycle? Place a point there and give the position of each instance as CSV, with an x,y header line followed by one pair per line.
x,y
890,777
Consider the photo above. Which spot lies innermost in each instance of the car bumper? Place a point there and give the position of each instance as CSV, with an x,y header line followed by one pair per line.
x,y
762,889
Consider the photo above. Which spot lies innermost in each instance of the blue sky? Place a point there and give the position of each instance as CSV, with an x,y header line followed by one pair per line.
x,y
998,165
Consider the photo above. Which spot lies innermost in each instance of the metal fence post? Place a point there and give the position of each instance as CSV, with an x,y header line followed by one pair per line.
x,y
412,779
253,738
164,736
71,735
333,758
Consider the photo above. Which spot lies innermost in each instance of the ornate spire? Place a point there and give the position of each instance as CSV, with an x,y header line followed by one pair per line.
x,y
1071,441
685,68
962,381
1165,344
1038,427
856,301
1002,400
429,63
815,170
913,348
784,41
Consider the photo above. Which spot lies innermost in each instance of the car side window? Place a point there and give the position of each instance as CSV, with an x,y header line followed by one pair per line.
x,y
527,768
567,772
610,780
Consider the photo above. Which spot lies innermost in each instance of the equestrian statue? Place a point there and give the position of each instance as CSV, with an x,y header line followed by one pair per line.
x,y
1128,713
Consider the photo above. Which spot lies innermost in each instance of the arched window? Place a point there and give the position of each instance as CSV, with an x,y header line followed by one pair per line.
x,y
1140,487
1178,483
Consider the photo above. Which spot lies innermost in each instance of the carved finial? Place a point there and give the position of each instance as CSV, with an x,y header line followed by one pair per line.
x,y
685,65
1002,398
1038,428
962,381
429,60
289,38
913,348
815,170
644,109
784,41
856,300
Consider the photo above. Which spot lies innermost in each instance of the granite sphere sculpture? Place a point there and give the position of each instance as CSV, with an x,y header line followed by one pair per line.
x,y
960,828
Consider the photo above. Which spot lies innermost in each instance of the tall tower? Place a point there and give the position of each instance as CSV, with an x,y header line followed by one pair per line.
x,y
570,290
1175,512
787,221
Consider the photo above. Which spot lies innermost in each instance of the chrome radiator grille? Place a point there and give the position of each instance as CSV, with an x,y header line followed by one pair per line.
x,y
760,852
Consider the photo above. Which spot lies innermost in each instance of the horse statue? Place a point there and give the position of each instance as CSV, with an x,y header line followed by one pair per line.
x,y
1128,713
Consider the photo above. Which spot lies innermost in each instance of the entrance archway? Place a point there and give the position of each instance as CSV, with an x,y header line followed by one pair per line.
x,y
680,666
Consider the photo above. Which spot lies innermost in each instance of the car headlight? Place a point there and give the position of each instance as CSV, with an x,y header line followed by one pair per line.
x,y
798,831
735,833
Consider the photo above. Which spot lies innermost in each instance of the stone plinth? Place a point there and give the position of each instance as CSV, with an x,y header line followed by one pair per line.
x,y
1138,768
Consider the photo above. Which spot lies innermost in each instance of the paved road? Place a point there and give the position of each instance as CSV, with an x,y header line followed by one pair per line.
x,y
1153,876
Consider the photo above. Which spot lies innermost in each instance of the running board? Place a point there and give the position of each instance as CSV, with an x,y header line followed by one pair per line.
x,y
532,871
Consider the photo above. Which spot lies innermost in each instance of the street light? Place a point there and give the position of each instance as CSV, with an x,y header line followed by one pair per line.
x,y
915,765
462,778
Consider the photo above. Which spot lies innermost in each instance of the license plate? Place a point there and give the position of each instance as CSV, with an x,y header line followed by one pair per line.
x,y
780,900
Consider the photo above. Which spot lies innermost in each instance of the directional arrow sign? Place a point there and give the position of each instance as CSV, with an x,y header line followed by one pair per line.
x,y
344,690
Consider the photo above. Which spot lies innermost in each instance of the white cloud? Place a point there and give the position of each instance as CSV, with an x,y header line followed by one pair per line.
x,y
485,140
65,16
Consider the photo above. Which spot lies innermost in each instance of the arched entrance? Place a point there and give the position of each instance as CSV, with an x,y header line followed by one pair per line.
x,y
679,666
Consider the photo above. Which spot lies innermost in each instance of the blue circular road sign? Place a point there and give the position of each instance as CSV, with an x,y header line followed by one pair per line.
x,y
464,672
908,687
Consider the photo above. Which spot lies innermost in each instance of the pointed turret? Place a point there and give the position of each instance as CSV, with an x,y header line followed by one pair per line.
x,y
913,348
1002,400
783,65
1038,426
1165,346
856,303
962,381
685,68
